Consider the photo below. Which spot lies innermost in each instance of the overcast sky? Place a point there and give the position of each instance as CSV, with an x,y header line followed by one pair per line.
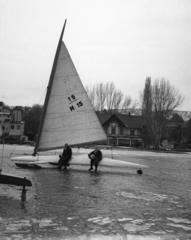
x,y
120,41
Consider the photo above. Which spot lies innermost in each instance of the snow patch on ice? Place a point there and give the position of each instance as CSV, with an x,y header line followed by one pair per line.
x,y
133,228
179,220
186,228
148,196
101,220
125,219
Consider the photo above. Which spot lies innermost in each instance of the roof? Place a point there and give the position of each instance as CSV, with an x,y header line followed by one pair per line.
x,y
130,121
103,117
175,121
2,104
176,118
18,108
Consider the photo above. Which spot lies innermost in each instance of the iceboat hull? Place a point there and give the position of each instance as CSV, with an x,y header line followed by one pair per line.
x,y
10,179
50,161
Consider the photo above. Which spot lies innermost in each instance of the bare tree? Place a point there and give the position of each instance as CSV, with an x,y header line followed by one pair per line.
x,y
147,112
127,102
159,101
106,96
91,94
110,91
117,99
101,96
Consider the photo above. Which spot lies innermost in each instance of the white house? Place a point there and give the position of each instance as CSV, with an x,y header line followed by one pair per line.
x,y
5,118
11,121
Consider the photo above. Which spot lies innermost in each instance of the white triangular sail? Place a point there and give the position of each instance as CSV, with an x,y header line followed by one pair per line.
x,y
69,116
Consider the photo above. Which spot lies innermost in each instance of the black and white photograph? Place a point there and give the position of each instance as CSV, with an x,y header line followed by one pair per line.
x,y
95,120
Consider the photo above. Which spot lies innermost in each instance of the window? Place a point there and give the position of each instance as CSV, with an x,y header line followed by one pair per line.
x,y
12,126
132,132
113,129
113,126
18,127
121,130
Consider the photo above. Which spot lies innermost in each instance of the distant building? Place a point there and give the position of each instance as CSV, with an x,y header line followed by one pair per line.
x,y
4,108
122,129
174,129
11,122
5,118
126,129
5,122
16,125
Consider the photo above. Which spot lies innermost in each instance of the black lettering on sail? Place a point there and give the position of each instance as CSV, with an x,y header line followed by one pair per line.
x,y
72,108
66,80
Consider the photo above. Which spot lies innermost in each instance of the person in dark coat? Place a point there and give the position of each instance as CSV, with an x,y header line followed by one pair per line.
x,y
65,157
96,157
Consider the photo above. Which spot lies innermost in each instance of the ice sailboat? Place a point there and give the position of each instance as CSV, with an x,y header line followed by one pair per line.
x,y
68,117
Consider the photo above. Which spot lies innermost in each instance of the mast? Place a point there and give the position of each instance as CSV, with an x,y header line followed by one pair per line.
x,y
49,90
1,136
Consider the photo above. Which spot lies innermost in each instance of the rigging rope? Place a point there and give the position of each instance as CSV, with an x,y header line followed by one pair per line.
x,y
111,152
12,151
1,167
42,97
78,150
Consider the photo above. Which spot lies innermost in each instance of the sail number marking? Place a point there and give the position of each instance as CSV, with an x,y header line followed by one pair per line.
x,y
73,99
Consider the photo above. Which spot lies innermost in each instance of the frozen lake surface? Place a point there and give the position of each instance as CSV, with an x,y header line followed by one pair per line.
x,y
110,204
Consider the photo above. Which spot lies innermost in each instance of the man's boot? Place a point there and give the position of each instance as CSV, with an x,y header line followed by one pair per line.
x,y
96,165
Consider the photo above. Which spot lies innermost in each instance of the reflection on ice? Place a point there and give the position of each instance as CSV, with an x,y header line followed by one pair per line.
x,y
46,223
142,226
149,237
147,196
128,224
133,228
186,228
94,219
141,229
97,227
125,219
138,221
101,220
179,220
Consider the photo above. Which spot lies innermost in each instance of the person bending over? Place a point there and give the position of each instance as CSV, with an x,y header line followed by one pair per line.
x,y
96,157
65,157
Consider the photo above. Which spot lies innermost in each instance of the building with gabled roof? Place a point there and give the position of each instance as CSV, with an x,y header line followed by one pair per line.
x,y
17,124
174,129
4,108
5,119
11,122
122,129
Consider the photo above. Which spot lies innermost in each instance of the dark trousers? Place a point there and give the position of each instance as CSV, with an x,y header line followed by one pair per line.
x,y
94,161
63,161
